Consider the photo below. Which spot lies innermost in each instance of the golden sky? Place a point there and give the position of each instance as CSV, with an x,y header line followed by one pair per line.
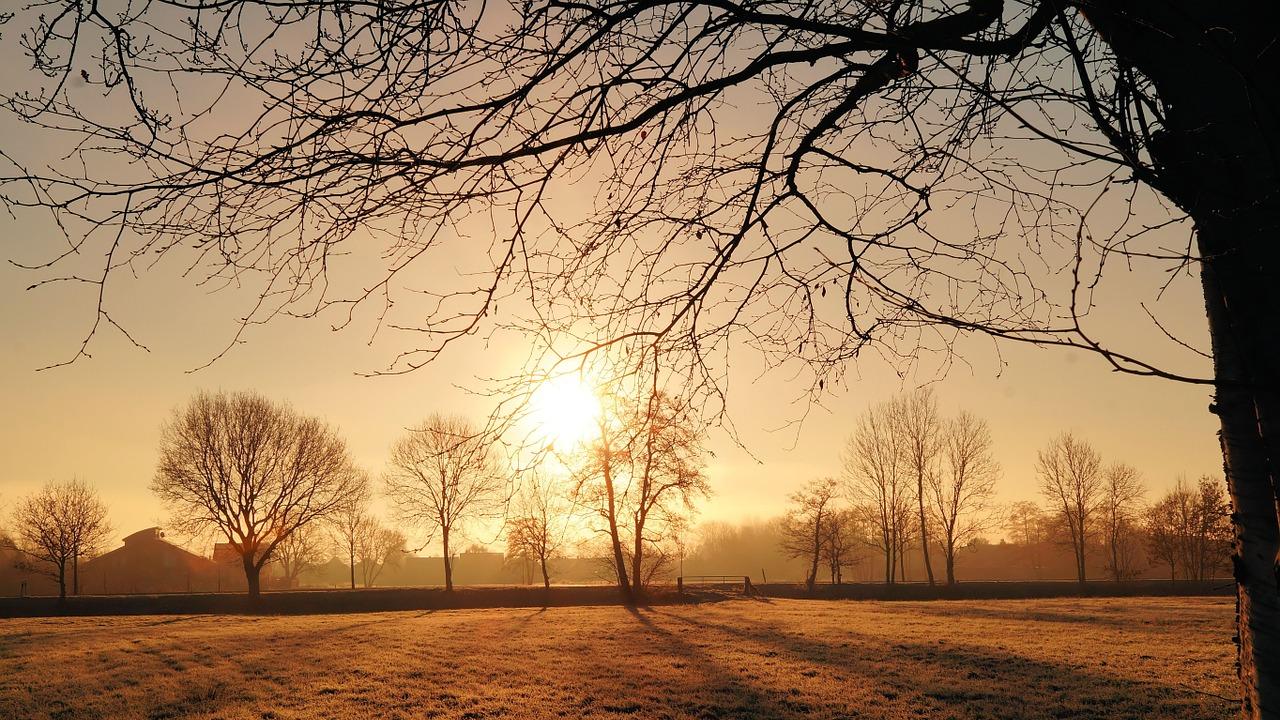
x,y
99,419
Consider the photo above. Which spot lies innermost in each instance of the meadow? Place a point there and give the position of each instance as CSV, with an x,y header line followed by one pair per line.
x,y
1060,658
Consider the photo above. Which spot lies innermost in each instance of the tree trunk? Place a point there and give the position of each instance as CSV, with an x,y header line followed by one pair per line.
x,y
352,557
951,562
1077,545
1080,571
619,561
812,578
1244,410
75,573
62,580
448,560
546,577
1214,66
637,553
924,529
252,572
1115,557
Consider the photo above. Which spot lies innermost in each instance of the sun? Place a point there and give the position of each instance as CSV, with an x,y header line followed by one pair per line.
x,y
565,411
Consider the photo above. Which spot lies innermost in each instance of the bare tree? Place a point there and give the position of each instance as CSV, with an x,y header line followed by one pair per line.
x,y
377,548
961,489
667,472
640,473
805,522
349,520
916,417
869,112
536,533
1213,534
841,538
1071,481
442,475
57,526
1166,521
599,471
1187,529
1024,521
304,549
1118,512
876,474
252,471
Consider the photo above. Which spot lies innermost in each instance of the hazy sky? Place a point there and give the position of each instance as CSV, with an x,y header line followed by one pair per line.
x,y
99,419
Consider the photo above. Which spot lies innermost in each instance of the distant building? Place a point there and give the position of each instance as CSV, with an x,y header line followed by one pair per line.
x,y
147,563
473,567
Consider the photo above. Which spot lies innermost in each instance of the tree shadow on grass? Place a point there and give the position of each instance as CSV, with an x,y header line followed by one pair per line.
x,y
914,679
1030,613
717,691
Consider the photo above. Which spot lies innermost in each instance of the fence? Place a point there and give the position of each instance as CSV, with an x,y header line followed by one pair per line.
x,y
744,581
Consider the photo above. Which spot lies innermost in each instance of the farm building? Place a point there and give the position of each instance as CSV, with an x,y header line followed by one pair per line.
x,y
148,563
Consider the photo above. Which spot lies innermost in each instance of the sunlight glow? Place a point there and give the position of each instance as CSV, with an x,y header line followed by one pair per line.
x,y
565,410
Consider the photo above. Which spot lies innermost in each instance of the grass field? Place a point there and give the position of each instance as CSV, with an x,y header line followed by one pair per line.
x,y
1068,658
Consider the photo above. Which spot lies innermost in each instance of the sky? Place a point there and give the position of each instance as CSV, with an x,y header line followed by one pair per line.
x,y
99,418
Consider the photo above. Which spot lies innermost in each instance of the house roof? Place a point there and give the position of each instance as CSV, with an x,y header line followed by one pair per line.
x,y
143,537
151,533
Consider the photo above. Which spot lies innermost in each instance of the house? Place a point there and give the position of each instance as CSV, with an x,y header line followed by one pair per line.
x,y
148,563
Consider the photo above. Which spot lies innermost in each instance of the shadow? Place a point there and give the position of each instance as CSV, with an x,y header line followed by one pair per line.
x,y
1094,616
171,621
950,680
532,615
731,693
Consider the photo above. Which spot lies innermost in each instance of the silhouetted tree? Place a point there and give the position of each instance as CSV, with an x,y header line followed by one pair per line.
x,y
640,473
1026,524
961,488
1071,481
252,471
1213,536
1024,521
598,469
1188,529
804,525
57,526
666,470
304,548
867,114
841,537
441,475
877,475
348,522
1118,512
1166,523
536,532
377,548
916,418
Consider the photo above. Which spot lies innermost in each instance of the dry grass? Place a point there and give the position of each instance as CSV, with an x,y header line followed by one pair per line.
x,y
1105,658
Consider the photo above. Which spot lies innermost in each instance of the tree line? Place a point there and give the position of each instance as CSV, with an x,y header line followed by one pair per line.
x,y
281,487
915,481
